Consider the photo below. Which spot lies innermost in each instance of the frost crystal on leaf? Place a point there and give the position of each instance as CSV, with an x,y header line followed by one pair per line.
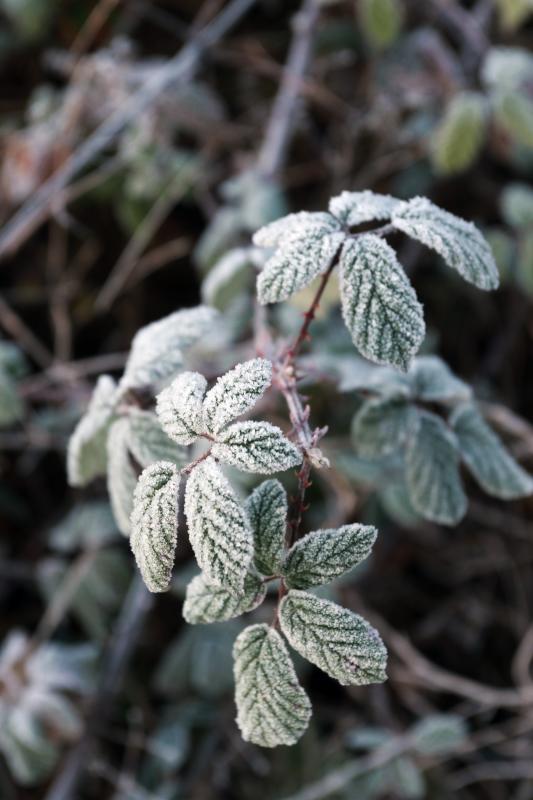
x,y
154,524
379,304
305,249
148,443
206,602
353,208
86,455
382,425
272,707
432,472
157,350
433,381
485,456
276,233
236,392
267,511
459,242
336,640
179,407
323,555
219,530
256,447
121,476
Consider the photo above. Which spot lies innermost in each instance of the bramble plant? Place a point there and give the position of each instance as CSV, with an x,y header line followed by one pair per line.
x,y
416,416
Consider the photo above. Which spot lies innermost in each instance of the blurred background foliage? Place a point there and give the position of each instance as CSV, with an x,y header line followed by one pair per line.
x,y
432,98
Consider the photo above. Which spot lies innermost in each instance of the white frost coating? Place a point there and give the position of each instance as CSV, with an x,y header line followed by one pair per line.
x,y
382,425
433,381
432,472
179,407
157,349
256,447
121,476
86,454
336,640
219,530
206,602
276,233
459,243
236,392
267,511
353,208
148,443
323,555
302,255
492,466
154,524
272,707
379,305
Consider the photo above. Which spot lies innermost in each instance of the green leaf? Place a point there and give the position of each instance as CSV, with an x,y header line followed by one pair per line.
x,y
354,208
307,244
157,349
380,21
266,508
492,466
513,13
121,475
256,447
323,555
439,734
382,425
86,455
179,408
459,137
336,640
517,205
432,472
236,392
148,443
206,602
432,380
154,524
219,530
459,243
272,707
379,304
514,113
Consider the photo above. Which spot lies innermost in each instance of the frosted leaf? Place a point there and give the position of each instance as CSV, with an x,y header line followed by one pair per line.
x,y
207,602
438,734
323,555
354,208
267,511
272,707
179,407
432,472
236,392
148,443
303,253
459,243
459,137
276,233
154,524
157,349
507,67
382,425
379,305
232,274
219,530
256,447
334,639
432,380
514,113
121,475
492,466
86,454
517,205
